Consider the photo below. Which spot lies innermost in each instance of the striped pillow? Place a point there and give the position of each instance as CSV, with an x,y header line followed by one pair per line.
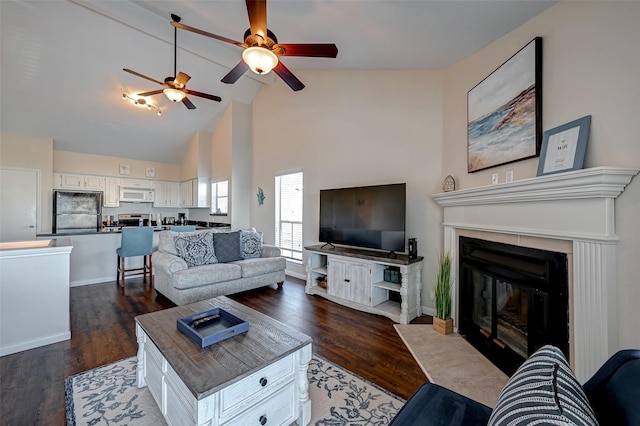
x,y
543,390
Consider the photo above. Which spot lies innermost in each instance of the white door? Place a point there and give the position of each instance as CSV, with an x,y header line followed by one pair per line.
x,y
18,204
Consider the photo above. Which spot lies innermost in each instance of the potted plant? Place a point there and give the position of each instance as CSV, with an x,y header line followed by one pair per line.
x,y
442,322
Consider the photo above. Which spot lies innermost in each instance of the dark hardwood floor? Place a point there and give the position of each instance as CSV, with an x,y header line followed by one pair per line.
x,y
103,331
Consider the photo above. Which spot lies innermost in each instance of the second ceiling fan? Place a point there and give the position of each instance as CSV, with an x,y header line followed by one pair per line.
x,y
261,48
176,85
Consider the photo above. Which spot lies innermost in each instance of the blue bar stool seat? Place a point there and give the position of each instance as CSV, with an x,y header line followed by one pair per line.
x,y
136,241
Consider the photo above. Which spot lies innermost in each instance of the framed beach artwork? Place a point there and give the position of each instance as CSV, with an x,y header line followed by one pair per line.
x,y
504,112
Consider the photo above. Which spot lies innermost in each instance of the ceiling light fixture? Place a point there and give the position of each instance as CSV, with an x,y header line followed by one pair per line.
x,y
174,95
260,59
141,102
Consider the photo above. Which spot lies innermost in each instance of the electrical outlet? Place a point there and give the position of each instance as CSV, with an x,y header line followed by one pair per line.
x,y
509,176
494,178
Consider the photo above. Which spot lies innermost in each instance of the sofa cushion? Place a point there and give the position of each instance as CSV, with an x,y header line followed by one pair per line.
x,y
543,390
261,265
206,274
196,249
250,244
166,241
227,246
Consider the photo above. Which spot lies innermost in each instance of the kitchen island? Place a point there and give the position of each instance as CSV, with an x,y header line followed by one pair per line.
x,y
94,255
34,294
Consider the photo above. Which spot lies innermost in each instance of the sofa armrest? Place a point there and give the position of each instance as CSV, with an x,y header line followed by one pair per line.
x,y
168,262
613,391
433,405
270,251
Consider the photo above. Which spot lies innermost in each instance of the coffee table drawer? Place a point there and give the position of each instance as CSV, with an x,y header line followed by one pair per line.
x,y
278,409
260,382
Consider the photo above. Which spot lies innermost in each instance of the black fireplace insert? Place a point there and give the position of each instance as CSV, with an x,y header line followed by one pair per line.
x,y
513,300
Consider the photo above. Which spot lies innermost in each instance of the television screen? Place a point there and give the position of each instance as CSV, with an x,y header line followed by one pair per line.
x,y
367,216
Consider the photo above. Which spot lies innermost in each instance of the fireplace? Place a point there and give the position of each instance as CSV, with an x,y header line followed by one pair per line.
x,y
574,211
513,300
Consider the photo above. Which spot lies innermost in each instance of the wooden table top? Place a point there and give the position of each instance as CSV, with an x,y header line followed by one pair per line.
x,y
207,370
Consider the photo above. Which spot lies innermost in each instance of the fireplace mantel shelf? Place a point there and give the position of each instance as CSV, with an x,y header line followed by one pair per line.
x,y
596,182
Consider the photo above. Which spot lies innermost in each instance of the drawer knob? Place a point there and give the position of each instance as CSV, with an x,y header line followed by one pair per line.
x,y
263,420
263,383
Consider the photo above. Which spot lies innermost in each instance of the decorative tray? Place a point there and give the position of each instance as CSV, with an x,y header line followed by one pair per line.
x,y
212,326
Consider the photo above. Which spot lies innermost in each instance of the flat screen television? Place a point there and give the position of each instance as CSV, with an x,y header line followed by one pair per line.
x,y
365,216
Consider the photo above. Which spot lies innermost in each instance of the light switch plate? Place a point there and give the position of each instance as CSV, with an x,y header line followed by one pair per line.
x,y
509,176
494,178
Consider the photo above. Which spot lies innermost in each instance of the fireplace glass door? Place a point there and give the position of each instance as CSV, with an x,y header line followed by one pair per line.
x,y
510,306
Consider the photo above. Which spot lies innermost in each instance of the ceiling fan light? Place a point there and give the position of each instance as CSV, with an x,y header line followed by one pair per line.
x,y
174,95
260,59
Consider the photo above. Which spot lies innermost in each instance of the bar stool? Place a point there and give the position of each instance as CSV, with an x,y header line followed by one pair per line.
x,y
135,241
183,228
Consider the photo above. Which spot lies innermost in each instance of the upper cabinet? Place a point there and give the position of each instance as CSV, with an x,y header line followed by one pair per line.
x,y
111,196
78,182
167,194
195,193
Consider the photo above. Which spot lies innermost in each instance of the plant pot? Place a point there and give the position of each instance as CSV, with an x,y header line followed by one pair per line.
x,y
443,326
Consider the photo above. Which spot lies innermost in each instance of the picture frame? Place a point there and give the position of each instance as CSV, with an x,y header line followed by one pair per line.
x,y
504,112
125,169
564,147
150,172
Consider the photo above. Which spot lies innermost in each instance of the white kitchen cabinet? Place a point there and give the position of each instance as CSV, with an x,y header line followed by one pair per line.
x,y
356,278
111,197
138,183
78,182
167,194
195,193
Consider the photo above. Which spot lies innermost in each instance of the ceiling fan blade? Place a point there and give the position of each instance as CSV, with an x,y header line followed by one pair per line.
x,y
309,50
257,11
288,77
181,79
203,95
153,92
188,103
235,73
143,76
207,34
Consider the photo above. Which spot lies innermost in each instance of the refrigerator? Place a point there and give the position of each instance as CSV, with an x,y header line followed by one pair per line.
x,y
76,212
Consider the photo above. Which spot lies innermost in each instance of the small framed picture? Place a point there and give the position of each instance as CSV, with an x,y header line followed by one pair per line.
x,y
125,169
564,147
150,172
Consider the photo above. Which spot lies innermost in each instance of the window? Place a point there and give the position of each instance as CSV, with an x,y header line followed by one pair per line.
x,y
289,215
220,198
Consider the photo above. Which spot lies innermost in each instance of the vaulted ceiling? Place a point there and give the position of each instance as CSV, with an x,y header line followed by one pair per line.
x,y
62,61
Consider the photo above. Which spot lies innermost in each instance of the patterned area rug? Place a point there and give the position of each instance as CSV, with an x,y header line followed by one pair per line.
x,y
108,395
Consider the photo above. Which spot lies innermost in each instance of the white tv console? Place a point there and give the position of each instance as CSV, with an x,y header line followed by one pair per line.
x,y
355,278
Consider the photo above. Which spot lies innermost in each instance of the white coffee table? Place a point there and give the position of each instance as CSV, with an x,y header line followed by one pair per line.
x,y
258,377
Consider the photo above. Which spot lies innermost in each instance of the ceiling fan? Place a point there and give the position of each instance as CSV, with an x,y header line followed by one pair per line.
x,y
176,85
262,48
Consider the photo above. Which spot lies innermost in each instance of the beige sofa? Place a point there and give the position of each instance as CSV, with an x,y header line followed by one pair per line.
x,y
178,279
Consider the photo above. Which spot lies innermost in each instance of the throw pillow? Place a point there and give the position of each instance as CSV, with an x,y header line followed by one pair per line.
x,y
227,245
250,244
543,390
196,249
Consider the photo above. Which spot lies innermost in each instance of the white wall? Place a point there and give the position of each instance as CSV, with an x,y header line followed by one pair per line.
x,y
349,129
590,66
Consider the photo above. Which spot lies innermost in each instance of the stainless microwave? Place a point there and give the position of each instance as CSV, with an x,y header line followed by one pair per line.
x,y
137,195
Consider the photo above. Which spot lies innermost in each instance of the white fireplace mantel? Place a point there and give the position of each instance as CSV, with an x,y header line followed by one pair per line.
x,y
577,207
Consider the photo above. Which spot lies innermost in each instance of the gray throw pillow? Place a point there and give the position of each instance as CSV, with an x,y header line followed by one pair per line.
x,y
196,249
250,244
543,390
227,245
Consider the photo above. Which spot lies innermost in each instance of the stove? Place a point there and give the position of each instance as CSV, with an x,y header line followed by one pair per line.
x,y
134,219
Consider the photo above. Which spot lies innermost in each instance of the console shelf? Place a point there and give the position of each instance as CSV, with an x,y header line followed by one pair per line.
x,y
355,278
